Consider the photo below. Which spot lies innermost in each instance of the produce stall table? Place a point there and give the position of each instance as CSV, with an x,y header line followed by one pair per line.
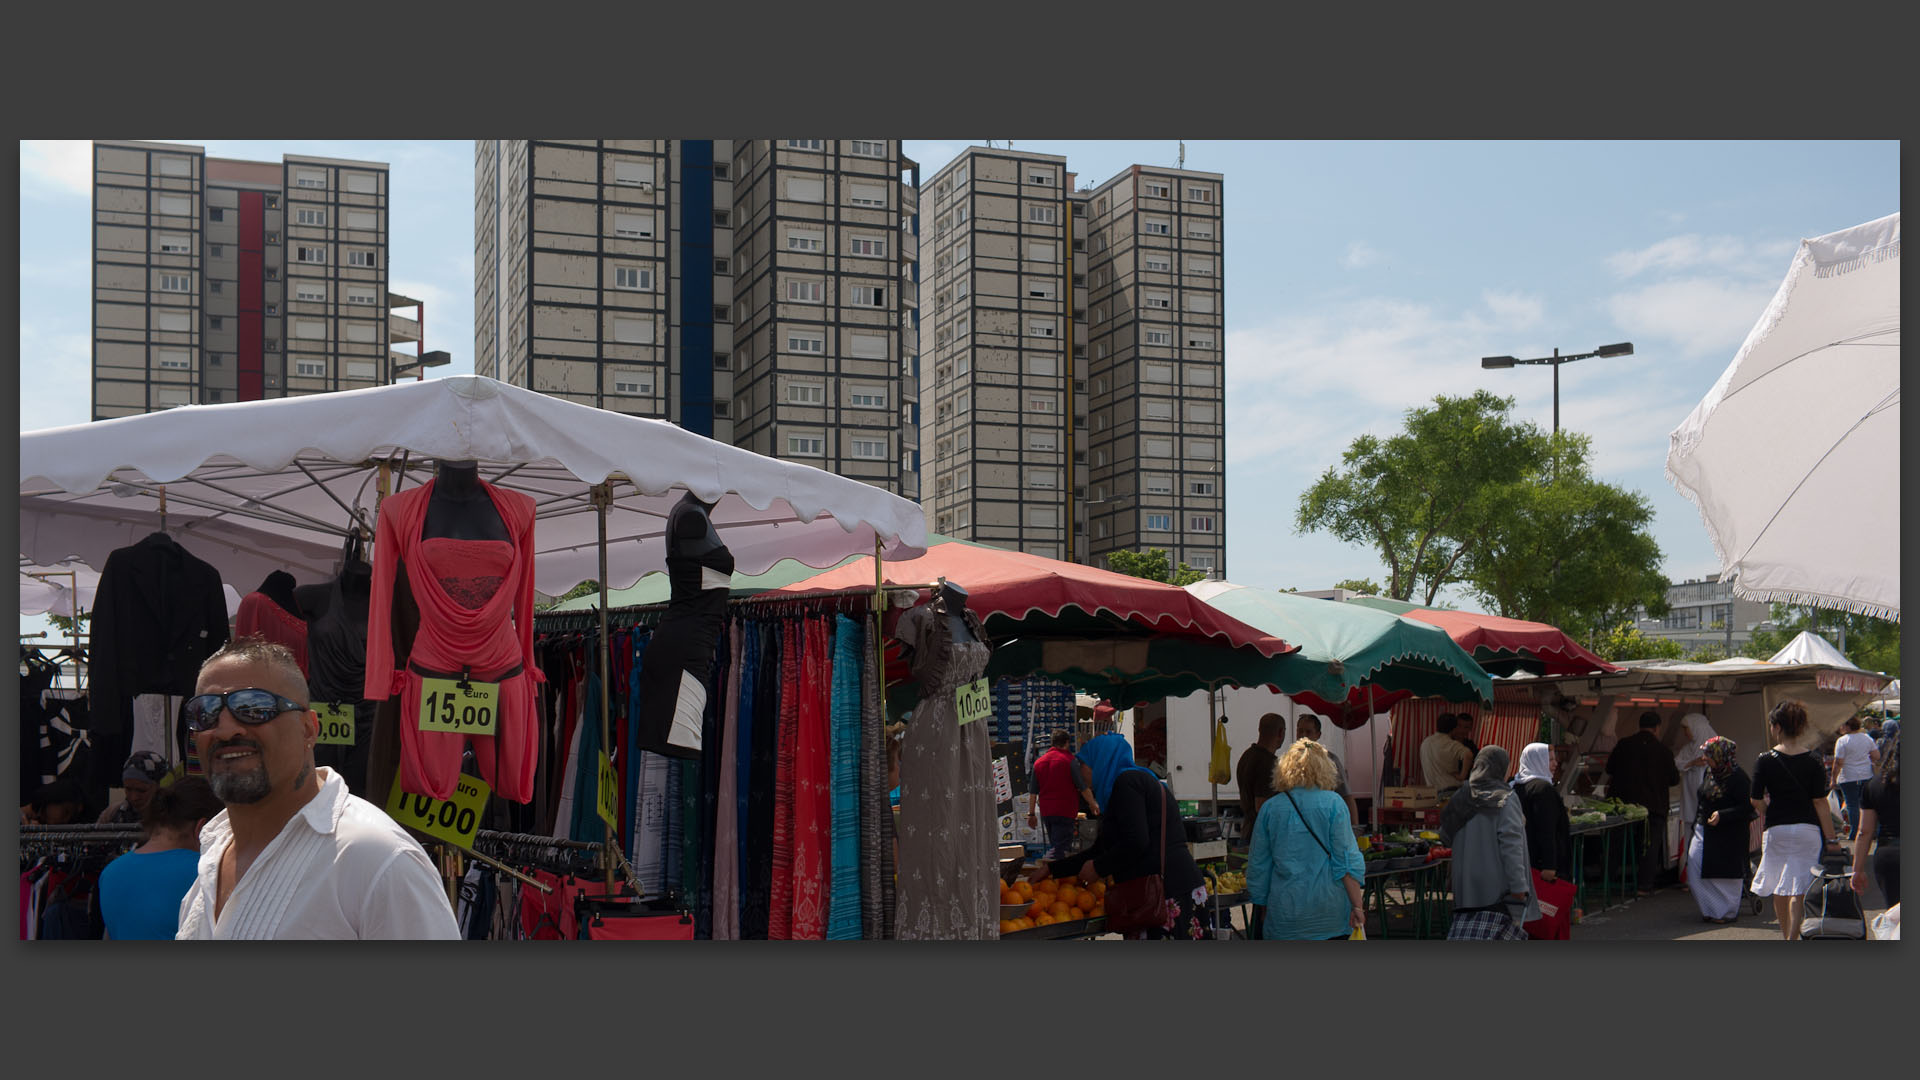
x,y
1430,889
1604,830
1073,928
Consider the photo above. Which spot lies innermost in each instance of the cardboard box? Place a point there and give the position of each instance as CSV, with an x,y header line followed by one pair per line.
x,y
1410,793
1410,804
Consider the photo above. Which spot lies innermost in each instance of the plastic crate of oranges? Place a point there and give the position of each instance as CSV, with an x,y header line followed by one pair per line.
x,y
1053,902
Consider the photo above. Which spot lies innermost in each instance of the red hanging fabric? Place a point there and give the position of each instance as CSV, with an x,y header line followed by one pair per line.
x,y
813,801
780,904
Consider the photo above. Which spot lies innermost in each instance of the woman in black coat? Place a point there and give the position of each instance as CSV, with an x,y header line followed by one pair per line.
x,y
1717,857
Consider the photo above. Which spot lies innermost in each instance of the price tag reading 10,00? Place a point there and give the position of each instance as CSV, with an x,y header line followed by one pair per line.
x,y
447,706
454,820
973,701
336,724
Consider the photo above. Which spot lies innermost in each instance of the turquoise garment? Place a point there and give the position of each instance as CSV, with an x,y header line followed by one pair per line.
x,y
1289,874
586,825
843,881
140,894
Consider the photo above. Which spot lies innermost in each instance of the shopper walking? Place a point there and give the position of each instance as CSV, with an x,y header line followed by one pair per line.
x,y
1879,831
1549,843
140,891
1693,769
1643,772
1718,835
1790,789
1056,794
1854,758
1304,870
1492,882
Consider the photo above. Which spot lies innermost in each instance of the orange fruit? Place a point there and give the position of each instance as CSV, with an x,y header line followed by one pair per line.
x,y
1025,889
1024,923
1099,888
1084,902
1035,909
1060,910
1097,910
1068,892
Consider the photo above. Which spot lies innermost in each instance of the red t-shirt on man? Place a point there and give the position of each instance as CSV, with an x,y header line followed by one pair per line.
x,y
1053,778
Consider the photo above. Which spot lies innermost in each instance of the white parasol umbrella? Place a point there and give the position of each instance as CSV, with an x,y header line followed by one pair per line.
x,y
1791,456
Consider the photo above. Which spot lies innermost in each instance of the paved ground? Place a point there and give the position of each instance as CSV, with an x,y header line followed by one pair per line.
x,y
1671,915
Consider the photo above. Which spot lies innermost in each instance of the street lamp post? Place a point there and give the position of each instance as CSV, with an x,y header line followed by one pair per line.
x,y
1624,348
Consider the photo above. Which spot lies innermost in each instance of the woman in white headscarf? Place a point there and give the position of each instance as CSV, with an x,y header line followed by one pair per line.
x,y
1692,765
1549,841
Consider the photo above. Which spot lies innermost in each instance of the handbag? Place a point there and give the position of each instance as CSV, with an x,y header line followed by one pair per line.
x,y
1140,904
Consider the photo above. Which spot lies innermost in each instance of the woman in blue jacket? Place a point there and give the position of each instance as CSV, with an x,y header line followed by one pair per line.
x,y
1304,871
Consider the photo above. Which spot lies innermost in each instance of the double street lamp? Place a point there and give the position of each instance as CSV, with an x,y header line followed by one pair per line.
x,y
1624,348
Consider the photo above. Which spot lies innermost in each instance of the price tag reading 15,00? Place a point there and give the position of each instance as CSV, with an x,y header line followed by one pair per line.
x,y
454,820
447,706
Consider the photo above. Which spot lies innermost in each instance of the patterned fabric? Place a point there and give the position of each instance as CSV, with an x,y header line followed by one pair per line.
x,y
1484,926
843,908
758,866
1183,921
728,801
877,841
780,903
812,804
1719,752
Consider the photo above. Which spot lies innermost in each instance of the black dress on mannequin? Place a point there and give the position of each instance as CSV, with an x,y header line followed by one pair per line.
x,y
679,657
337,660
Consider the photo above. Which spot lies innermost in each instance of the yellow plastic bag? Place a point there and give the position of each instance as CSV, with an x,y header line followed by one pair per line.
x,y
1220,770
1359,934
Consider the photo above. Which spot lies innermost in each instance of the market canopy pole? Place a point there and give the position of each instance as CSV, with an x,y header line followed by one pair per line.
x,y
602,497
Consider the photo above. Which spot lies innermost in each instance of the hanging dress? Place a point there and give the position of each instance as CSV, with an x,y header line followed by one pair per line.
x,y
949,840
673,686
337,672
476,616
272,613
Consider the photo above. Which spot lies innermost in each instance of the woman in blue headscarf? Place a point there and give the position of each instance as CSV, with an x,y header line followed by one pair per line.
x,y
1140,834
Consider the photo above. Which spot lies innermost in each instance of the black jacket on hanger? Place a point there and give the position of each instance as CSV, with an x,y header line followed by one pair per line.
x,y
158,613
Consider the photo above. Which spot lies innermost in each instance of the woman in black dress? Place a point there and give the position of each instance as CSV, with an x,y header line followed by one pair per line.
x,y
1549,844
1717,853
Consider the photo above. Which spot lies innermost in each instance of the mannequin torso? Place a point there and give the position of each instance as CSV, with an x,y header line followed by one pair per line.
x,y
460,508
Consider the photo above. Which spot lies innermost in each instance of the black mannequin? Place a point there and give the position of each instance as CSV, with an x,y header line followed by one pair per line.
x,y
460,508
279,588
673,674
690,531
953,599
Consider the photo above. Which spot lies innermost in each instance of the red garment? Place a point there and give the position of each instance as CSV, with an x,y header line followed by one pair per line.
x,y
812,786
640,928
259,614
476,612
1556,910
780,902
1053,776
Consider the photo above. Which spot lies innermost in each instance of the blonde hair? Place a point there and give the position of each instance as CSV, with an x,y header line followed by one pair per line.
x,y
1304,765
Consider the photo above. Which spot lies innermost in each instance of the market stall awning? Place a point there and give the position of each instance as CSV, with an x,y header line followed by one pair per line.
x,y
1501,646
1353,649
1793,457
302,469
1128,639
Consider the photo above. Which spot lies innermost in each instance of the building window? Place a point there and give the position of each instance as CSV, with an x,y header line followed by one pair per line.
x,y
360,296
1159,337
803,144
214,322
310,217
962,516
1160,300
870,449
632,277
1156,227
1199,194
1200,523
359,258
1199,339
806,394
1041,213
871,248
1041,328
1042,178
1159,522
723,266
634,225
309,291
1042,403
963,401
1159,448
1043,440
214,213
1048,479
722,361
315,368
961,250
1201,562
171,244
1201,487
633,331
1156,409
215,250
963,363
1200,449
720,170
1159,485
273,273
1200,230
801,291
1200,267
871,195
176,283
1043,251
800,240
632,382
803,341
1157,373
216,286
1202,302
721,218
1200,414
175,361
723,409
1043,289
302,253
806,445
869,296
867,147
722,312
637,173
867,398
308,179
1159,264
1155,189
962,288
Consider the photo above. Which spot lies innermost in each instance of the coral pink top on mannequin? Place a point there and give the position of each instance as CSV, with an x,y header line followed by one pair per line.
x,y
476,612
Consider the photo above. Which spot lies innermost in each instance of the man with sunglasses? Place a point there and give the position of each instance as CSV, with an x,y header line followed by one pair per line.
x,y
294,855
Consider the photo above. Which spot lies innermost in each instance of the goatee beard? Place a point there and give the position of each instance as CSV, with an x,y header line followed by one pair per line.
x,y
240,788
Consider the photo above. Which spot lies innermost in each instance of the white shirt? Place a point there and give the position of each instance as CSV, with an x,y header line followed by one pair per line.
x,y
1852,751
340,869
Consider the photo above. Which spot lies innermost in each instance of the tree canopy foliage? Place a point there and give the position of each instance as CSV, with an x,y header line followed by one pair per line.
x,y
1873,644
1152,564
1625,642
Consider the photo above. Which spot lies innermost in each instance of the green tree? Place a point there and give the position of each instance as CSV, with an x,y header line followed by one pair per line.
x,y
585,588
1626,642
1363,586
1423,497
1563,548
1873,644
1709,652
1152,564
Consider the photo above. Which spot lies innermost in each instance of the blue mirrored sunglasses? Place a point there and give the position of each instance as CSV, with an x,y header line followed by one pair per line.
x,y
249,706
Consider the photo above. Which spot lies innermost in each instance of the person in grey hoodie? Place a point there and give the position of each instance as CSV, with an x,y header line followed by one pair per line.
x,y
1492,885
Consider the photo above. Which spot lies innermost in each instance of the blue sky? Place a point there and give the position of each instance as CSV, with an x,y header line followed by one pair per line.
x,y
1362,279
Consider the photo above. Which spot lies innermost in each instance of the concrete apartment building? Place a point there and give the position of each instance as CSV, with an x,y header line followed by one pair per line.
x,y
760,292
1075,330
219,280
1705,611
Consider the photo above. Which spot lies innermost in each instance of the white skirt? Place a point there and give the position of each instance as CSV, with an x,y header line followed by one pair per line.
x,y
1789,860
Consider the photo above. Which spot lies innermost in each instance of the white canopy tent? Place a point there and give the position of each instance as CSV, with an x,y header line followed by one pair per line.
x,y
262,485
1808,647
1790,457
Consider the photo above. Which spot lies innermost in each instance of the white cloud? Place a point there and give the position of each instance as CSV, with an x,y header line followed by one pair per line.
x,y
1360,255
1693,251
1701,314
1514,309
52,168
52,365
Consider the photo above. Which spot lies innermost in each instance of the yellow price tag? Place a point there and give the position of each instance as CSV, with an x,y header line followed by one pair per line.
x,y
454,820
445,706
336,723
609,792
973,701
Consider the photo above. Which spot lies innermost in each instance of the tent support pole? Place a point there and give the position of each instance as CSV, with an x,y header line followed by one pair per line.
x,y
1373,751
602,496
879,642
